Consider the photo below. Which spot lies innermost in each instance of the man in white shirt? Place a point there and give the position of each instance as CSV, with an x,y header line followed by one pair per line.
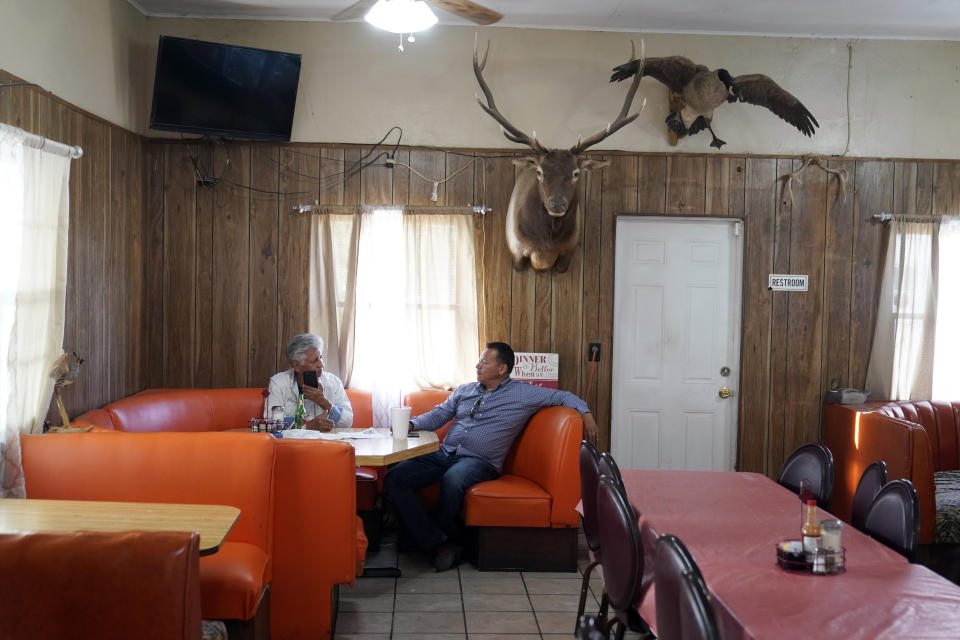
x,y
327,406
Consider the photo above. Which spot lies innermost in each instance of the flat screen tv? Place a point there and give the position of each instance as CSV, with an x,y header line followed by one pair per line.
x,y
224,90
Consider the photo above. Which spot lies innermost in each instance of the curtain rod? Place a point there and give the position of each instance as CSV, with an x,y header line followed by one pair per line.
x,y
39,142
353,208
883,216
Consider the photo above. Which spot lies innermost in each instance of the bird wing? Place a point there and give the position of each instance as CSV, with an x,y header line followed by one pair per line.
x,y
673,71
760,90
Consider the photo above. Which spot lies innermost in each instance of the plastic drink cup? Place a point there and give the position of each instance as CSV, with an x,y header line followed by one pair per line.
x,y
400,421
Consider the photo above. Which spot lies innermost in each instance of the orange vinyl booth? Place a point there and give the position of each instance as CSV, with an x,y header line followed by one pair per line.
x,y
109,586
525,519
294,541
858,435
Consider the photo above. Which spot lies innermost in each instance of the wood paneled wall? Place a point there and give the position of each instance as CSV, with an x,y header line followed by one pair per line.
x,y
231,262
106,307
172,283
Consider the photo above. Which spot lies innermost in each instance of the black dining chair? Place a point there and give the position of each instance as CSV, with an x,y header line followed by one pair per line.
x,y
894,517
871,480
608,467
813,462
589,481
622,559
684,606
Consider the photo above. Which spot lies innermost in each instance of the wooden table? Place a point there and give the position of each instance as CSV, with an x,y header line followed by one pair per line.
x,y
731,523
213,522
379,452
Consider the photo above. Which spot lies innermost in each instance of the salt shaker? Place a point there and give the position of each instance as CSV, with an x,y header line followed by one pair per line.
x,y
276,413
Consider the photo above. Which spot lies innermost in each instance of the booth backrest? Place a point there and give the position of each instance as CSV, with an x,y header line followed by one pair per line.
x,y
941,421
179,410
234,469
424,400
548,453
316,531
858,435
99,585
362,404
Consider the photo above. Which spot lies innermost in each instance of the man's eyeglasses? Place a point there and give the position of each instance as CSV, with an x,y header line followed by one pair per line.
x,y
476,405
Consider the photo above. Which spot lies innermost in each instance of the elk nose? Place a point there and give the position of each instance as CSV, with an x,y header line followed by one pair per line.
x,y
558,204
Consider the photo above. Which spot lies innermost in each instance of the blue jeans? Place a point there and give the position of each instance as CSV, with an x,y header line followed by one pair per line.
x,y
455,475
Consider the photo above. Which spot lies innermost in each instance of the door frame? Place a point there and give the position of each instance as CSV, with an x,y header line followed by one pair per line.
x,y
736,329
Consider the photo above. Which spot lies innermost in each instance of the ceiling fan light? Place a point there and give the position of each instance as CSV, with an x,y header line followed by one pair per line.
x,y
401,16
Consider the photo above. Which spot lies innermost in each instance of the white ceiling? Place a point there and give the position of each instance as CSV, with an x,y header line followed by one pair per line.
x,y
908,19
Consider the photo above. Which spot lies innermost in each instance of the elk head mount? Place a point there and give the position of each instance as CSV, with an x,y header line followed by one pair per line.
x,y
543,217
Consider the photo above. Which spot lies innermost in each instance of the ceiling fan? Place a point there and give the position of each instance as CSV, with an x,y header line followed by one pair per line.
x,y
463,8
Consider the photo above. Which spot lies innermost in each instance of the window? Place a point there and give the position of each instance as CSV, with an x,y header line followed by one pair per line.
x,y
946,359
415,310
915,350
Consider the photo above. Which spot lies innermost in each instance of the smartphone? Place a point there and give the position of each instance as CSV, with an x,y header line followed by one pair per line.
x,y
310,379
413,434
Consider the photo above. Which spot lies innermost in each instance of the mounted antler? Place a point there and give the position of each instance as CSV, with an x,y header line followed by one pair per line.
x,y
543,217
622,119
511,132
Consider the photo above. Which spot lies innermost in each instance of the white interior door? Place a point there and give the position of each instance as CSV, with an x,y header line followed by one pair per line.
x,y
676,342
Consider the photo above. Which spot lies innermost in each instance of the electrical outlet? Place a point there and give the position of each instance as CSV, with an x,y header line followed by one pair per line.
x,y
593,352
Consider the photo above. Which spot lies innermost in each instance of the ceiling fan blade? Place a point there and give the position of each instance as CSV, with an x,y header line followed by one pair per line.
x,y
356,10
469,10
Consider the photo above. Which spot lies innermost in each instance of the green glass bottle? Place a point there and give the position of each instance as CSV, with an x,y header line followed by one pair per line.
x,y
299,418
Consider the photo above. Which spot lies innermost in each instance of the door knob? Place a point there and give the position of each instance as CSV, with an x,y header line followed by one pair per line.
x,y
724,393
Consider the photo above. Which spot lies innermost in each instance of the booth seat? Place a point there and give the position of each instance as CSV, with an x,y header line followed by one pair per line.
x,y
100,585
526,518
218,410
294,541
917,440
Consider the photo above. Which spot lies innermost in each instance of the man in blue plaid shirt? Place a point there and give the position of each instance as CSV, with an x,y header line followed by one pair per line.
x,y
488,415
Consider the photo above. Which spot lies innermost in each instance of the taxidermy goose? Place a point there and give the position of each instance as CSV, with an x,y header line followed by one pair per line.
x,y
702,90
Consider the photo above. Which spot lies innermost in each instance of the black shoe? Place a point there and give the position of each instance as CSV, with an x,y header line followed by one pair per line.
x,y
388,518
447,556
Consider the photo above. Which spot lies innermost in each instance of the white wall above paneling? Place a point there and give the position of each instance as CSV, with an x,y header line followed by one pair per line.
x,y
354,84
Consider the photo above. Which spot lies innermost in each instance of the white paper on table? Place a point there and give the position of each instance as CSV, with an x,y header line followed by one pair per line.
x,y
365,434
308,434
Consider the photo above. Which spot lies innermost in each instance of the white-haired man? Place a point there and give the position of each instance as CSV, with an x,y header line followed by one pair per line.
x,y
327,405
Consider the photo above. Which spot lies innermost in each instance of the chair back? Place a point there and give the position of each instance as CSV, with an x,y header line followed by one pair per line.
x,y
589,482
683,604
871,480
813,462
609,468
100,585
698,621
894,517
622,549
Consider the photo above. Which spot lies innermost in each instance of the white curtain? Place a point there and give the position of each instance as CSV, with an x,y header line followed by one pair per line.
x,y
34,214
415,299
946,362
333,279
902,357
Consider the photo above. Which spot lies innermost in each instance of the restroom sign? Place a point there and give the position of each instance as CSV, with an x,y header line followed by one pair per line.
x,y
787,282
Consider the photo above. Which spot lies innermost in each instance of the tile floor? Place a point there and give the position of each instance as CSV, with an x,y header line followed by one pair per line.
x,y
463,604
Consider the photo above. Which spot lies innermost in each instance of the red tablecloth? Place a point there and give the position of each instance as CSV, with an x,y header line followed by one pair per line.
x,y
731,523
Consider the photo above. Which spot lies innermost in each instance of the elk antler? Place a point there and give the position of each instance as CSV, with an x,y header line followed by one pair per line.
x,y
511,132
622,119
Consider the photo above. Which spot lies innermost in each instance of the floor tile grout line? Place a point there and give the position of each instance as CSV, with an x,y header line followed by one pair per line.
x,y
393,610
536,620
463,605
